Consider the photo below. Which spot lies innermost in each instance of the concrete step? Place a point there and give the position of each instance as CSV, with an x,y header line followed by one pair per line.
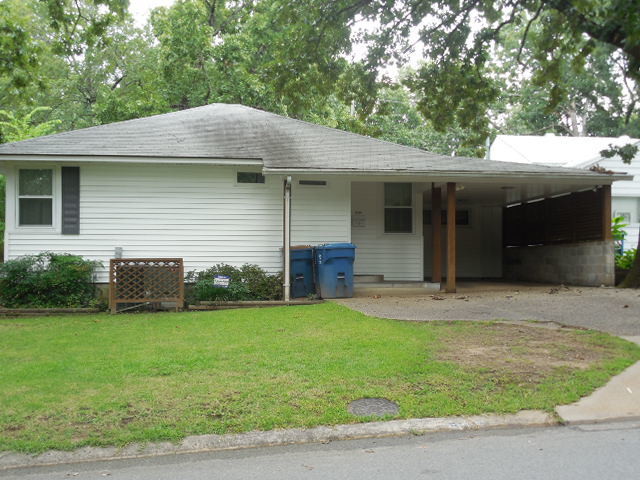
x,y
368,279
394,288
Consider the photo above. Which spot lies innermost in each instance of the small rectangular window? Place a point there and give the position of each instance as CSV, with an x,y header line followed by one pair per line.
x,y
250,177
35,197
398,209
318,183
626,216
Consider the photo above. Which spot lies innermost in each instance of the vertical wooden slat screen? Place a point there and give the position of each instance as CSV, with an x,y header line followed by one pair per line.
x,y
571,218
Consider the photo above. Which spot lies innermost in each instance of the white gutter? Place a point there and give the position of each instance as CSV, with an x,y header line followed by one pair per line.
x,y
70,159
588,177
287,238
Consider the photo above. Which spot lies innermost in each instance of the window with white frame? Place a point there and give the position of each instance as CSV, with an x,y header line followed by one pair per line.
x,y
398,208
35,197
626,216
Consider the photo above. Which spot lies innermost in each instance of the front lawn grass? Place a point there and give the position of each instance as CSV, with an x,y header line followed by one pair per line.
x,y
69,381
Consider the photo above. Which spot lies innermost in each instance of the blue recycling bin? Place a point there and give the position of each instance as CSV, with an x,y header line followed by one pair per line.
x,y
301,278
334,269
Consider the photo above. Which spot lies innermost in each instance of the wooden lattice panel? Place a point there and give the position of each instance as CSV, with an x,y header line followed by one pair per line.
x,y
140,280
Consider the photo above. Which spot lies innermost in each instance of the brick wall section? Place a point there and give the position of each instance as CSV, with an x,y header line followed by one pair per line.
x,y
585,263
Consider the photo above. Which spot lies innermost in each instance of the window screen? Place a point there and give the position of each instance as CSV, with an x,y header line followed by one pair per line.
x,y
35,196
398,210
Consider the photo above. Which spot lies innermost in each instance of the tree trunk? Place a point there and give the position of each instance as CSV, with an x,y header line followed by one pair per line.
x,y
632,280
573,120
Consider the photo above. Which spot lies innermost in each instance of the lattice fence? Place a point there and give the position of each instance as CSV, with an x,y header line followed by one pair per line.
x,y
141,280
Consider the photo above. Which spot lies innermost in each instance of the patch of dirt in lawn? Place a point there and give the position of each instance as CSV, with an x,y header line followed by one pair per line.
x,y
521,353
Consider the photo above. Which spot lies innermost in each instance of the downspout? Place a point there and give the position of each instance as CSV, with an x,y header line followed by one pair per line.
x,y
286,223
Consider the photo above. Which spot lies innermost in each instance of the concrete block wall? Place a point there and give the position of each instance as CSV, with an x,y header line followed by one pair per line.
x,y
584,263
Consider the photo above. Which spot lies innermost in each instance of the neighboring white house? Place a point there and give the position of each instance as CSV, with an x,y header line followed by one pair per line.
x,y
207,184
580,152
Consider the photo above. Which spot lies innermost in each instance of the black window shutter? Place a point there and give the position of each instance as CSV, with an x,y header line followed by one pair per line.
x,y
71,200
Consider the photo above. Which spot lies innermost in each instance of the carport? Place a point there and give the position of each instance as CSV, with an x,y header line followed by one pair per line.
x,y
545,225
552,232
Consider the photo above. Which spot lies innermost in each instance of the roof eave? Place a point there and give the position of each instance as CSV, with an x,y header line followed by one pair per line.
x,y
591,176
13,157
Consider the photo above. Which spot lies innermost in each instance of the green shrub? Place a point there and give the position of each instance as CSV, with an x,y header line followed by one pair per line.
x,y
47,280
625,260
205,290
249,282
262,285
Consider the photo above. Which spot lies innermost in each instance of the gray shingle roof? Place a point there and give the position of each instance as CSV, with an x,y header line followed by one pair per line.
x,y
238,132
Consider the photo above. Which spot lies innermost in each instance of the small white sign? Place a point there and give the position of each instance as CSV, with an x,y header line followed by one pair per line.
x,y
221,281
358,219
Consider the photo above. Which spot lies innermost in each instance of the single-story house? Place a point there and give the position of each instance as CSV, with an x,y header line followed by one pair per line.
x,y
581,152
211,184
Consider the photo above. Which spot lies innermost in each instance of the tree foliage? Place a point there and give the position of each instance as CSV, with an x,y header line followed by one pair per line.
x,y
459,36
16,128
72,26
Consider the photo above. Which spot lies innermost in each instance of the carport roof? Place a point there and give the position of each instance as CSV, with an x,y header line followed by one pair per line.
x,y
236,132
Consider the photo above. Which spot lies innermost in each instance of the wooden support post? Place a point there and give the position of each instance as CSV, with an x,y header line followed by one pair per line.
x,y
451,237
436,229
606,212
180,302
112,288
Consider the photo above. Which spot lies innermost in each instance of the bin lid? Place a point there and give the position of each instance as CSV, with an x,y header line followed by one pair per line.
x,y
336,245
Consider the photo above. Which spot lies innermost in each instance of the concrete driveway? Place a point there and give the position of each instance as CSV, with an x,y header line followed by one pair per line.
x,y
612,310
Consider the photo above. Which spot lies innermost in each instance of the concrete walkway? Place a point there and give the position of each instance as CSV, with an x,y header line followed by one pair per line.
x,y
618,399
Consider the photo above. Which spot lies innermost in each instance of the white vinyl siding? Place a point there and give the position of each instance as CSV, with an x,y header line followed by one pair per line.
x,y
626,196
397,256
195,212
321,213
624,188
630,206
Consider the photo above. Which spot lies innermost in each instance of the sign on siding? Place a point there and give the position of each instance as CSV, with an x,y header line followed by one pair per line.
x,y
358,219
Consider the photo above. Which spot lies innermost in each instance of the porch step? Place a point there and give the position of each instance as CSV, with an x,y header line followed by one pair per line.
x,y
368,279
394,288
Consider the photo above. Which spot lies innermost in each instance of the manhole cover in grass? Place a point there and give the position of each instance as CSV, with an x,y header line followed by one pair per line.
x,y
366,407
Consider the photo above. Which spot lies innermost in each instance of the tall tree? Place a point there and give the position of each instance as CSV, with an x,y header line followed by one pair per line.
x,y
73,24
455,84
593,100
268,54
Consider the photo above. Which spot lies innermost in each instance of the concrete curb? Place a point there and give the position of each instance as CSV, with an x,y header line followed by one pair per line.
x,y
209,443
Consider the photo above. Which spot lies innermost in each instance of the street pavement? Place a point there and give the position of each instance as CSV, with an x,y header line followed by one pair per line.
x,y
582,452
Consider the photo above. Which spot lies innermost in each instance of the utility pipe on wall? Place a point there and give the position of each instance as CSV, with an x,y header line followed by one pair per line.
x,y
286,250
